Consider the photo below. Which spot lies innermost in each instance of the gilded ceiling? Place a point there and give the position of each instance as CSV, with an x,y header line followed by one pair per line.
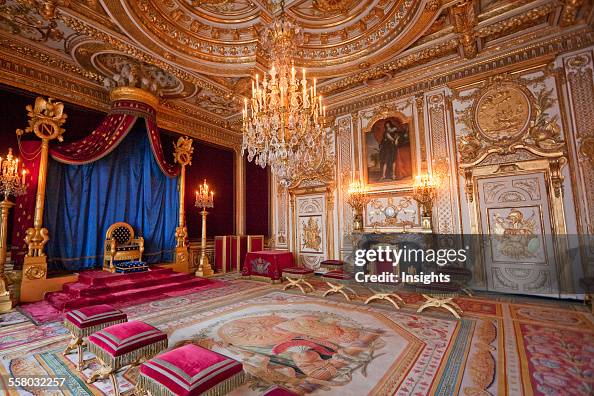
x,y
198,55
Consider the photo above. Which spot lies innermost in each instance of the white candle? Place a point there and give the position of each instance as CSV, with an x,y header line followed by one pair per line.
x,y
314,87
320,104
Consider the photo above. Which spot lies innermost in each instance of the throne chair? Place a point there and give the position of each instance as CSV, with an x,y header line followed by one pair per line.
x,y
121,245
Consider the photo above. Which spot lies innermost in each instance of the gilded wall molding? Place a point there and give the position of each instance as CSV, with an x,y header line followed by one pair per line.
x,y
513,58
465,21
579,69
506,116
442,159
346,163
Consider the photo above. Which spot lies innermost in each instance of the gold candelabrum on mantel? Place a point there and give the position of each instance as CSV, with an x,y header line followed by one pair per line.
x,y
12,182
183,151
357,198
424,192
46,118
204,200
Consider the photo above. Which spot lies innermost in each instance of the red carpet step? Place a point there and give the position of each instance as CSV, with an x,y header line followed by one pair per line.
x,y
101,287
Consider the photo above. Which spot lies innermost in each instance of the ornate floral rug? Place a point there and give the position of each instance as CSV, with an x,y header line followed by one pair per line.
x,y
327,346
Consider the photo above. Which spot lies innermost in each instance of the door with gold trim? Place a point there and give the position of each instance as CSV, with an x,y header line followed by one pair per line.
x,y
310,225
515,217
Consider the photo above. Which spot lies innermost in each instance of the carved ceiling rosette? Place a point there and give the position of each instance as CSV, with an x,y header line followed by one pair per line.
x,y
118,69
220,37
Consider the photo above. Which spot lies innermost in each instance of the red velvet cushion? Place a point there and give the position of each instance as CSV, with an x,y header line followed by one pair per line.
x,y
332,262
190,370
94,315
337,275
278,391
298,270
122,338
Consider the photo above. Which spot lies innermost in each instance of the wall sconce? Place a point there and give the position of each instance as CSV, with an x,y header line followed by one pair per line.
x,y
424,192
357,198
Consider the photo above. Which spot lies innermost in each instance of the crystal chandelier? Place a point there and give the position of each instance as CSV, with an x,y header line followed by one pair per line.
x,y
283,122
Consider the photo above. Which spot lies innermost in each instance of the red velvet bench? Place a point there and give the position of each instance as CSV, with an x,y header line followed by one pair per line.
x,y
332,264
123,344
190,371
85,321
297,276
338,282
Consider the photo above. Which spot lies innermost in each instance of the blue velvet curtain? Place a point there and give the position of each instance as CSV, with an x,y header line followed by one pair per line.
x,y
82,201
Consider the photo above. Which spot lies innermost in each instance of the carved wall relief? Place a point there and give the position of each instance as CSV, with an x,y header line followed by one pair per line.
x,y
392,212
507,113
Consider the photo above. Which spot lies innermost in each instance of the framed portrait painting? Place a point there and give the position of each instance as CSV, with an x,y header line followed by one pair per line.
x,y
389,150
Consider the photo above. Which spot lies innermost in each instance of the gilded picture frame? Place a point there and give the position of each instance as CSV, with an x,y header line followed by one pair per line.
x,y
389,145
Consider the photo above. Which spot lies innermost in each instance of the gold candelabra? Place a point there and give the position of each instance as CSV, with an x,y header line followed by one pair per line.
x,y
424,192
204,199
12,182
357,198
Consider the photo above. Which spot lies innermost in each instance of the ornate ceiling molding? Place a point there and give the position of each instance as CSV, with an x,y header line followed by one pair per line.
x,y
82,27
467,33
29,69
426,79
206,34
204,51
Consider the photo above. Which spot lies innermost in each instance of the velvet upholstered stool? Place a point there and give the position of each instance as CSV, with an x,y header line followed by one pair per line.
x,y
124,344
297,277
332,264
85,321
189,371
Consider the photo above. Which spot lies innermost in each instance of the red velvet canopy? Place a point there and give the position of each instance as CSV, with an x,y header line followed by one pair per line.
x,y
103,140
108,135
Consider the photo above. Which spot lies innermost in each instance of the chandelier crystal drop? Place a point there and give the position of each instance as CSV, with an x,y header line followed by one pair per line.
x,y
283,121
